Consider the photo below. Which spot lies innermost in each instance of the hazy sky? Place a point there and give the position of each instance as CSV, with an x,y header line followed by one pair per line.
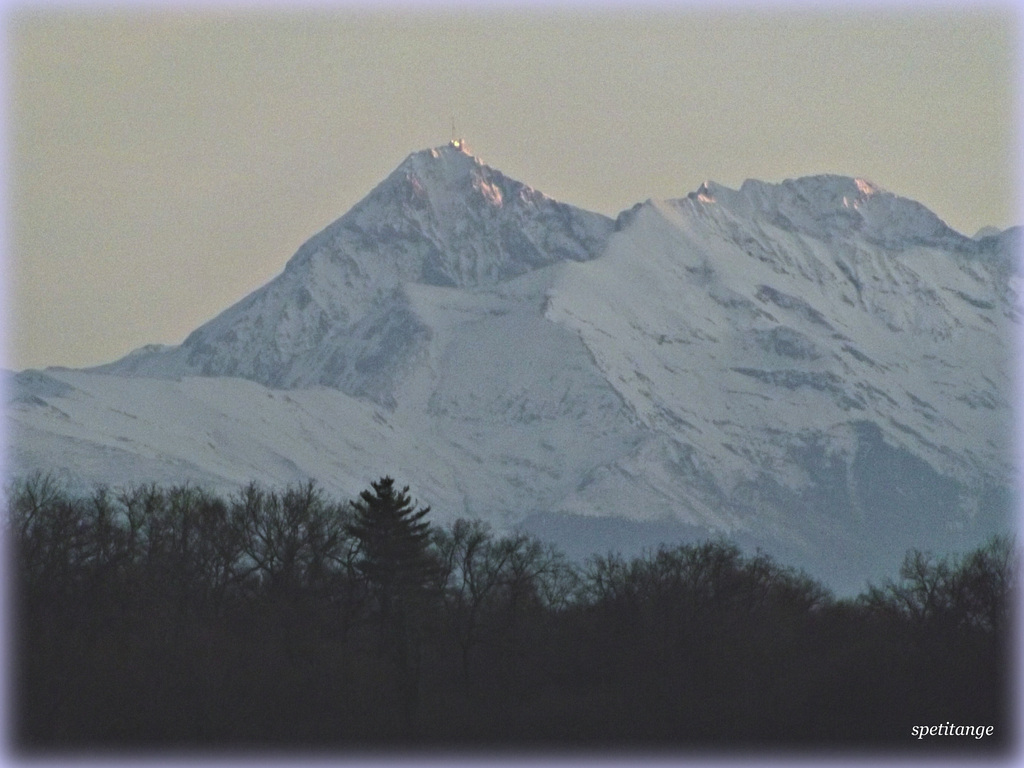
x,y
162,164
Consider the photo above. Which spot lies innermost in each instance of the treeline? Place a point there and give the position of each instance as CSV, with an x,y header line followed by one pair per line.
x,y
162,618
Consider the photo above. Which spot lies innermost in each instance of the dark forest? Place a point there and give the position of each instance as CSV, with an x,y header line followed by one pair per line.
x,y
171,618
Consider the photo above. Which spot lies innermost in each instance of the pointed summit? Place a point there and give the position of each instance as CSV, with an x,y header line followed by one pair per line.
x,y
465,223
338,315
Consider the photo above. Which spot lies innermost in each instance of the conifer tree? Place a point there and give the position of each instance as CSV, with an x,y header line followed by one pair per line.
x,y
397,565
393,540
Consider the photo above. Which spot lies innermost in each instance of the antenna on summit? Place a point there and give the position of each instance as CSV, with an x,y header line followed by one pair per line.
x,y
456,142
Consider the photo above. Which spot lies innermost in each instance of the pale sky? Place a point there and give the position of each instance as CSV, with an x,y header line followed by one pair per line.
x,y
162,164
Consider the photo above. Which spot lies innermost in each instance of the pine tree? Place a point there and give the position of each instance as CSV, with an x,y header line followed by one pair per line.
x,y
393,540
397,565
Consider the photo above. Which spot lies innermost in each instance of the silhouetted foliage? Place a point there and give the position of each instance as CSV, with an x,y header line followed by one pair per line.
x,y
393,543
968,593
169,617
394,559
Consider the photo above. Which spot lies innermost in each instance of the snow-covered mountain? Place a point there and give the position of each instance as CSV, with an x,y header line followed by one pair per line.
x,y
339,314
817,367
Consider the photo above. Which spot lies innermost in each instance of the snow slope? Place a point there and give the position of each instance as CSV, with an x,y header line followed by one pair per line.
x,y
816,367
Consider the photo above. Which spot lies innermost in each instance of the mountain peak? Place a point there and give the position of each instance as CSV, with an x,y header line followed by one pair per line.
x,y
455,151
338,315
465,223
448,175
459,145
827,204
